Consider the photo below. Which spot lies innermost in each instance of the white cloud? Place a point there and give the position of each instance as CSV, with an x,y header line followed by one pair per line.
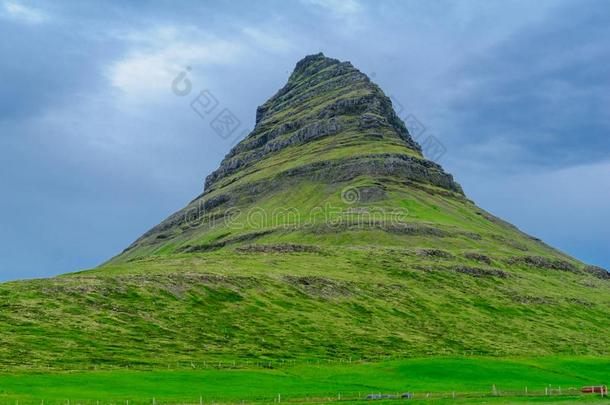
x,y
22,12
158,56
270,42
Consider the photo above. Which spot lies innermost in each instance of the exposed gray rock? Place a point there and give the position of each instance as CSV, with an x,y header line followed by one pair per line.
x,y
480,272
581,302
598,272
278,248
375,165
434,253
271,145
222,243
371,194
544,262
477,257
401,228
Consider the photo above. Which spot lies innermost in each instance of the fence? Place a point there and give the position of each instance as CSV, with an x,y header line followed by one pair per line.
x,y
338,397
199,363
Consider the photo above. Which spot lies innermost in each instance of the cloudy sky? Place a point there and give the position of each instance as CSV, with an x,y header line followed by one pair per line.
x,y
95,147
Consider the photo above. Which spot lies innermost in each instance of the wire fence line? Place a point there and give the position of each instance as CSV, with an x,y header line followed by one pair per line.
x,y
334,397
215,363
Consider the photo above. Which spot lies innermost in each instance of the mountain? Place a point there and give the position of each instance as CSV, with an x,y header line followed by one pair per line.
x,y
325,233
329,132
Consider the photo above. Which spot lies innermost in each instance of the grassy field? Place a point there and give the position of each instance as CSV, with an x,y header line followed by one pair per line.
x,y
472,380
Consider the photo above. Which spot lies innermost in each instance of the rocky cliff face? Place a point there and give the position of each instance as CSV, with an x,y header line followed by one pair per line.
x,y
323,97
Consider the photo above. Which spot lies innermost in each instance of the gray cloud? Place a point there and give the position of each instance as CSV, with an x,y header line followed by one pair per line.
x,y
95,148
543,90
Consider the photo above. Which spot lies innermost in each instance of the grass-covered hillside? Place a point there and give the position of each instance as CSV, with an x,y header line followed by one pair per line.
x,y
325,234
275,303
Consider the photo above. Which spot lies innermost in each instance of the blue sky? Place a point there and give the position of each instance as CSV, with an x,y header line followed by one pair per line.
x,y
95,148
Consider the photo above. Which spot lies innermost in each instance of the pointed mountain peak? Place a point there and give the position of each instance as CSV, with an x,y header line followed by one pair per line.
x,y
324,99
312,64
312,71
314,59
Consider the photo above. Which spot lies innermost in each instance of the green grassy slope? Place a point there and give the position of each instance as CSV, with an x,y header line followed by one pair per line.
x,y
333,303
323,235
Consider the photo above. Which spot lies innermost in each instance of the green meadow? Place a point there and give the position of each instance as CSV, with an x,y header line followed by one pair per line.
x,y
442,379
